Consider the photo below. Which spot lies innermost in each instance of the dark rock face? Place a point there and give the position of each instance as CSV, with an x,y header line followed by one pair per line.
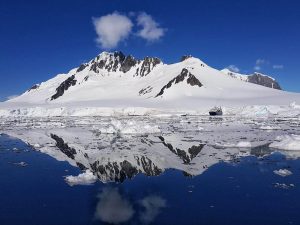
x,y
64,86
63,147
117,61
34,87
82,67
111,63
263,80
191,80
128,63
145,90
193,151
147,65
119,172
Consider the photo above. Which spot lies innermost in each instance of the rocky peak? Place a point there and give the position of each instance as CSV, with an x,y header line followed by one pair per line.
x,y
117,61
255,78
34,87
128,63
110,61
184,57
264,80
147,66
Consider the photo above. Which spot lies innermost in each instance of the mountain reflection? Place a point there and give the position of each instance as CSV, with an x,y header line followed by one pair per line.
x,y
115,158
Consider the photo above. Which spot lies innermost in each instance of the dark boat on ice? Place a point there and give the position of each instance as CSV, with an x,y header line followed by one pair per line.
x,y
216,111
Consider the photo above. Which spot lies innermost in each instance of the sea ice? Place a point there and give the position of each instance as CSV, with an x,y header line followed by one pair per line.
x,y
283,172
129,127
270,128
287,142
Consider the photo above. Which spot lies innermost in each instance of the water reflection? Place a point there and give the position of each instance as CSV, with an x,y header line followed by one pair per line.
x,y
114,207
152,178
188,144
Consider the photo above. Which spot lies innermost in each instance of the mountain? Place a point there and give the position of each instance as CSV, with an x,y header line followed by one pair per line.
x,y
256,78
113,80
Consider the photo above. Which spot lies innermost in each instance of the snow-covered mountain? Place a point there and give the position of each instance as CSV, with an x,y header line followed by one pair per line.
x,y
255,78
114,80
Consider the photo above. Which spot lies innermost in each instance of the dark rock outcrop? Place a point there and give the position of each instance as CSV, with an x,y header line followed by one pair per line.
x,y
110,62
193,151
82,67
261,79
191,80
63,147
34,87
148,64
64,86
119,172
128,63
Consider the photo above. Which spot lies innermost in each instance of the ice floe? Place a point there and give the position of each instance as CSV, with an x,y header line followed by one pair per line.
x,y
270,128
283,172
284,186
241,144
287,142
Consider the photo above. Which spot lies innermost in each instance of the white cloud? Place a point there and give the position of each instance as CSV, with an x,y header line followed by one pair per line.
x,y
257,68
152,205
111,29
278,67
260,61
259,64
11,97
233,68
151,30
112,207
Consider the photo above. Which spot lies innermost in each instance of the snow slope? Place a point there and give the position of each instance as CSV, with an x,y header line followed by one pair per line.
x,y
115,83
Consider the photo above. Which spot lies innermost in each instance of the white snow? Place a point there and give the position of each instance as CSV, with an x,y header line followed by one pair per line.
x,y
287,142
85,178
116,93
283,172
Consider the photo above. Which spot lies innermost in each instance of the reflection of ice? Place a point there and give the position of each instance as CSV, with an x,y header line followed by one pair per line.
x,y
179,145
287,142
113,208
129,127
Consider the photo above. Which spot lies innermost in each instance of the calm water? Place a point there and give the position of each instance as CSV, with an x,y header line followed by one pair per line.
x,y
183,175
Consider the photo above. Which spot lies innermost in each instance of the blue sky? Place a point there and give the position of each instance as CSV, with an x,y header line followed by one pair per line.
x,y
39,39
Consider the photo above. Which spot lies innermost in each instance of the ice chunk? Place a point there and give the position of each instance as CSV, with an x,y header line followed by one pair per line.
x,y
22,164
284,186
287,142
283,172
129,127
270,128
85,178
243,144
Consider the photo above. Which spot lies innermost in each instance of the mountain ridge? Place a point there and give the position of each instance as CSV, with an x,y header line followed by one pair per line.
x,y
108,63
113,83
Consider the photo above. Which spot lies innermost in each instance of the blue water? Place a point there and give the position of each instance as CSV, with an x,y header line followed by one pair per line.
x,y
238,193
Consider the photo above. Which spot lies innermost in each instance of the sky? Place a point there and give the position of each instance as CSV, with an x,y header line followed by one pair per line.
x,y
39,39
